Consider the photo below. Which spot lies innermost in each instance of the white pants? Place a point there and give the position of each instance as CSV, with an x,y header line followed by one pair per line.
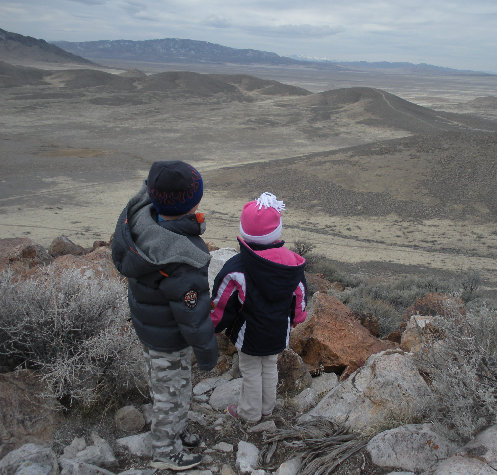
x,y
259,381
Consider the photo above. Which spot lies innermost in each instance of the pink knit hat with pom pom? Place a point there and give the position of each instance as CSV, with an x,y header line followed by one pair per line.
x,y
260,221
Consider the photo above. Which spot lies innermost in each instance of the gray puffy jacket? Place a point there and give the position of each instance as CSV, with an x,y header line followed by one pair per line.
x,y
167,269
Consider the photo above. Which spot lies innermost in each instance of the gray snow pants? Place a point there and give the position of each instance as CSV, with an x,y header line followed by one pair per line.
x,y
170,383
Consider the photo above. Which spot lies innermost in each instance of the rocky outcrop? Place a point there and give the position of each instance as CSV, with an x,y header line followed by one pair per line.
x,y
22,254
413,447
385,391
332,338
62,245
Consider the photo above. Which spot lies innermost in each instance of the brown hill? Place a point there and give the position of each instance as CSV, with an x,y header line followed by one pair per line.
x,y
447,175
11,76
378,108
18,49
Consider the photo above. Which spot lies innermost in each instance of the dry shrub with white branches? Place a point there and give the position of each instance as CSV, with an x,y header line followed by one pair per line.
x,y
75,331
461,368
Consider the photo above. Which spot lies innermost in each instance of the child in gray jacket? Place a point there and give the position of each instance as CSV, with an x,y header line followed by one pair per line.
x,y
157,246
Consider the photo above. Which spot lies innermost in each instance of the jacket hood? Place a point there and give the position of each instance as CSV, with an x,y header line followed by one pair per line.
x,y
275,269
141,245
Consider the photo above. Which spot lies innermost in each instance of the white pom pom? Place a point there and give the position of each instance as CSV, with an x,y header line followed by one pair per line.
x,y
268,200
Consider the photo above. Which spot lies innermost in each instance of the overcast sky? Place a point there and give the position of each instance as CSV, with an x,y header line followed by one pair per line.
x,y
459,34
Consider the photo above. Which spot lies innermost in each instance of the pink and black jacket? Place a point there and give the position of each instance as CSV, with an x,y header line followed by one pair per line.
x,y
258,296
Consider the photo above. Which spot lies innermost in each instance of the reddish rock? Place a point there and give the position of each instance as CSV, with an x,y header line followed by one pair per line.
x,y
97,263
21,254
370,322
293,375
332,338
97,244
25,416
435,304
317,283
224,345
211,247
62,245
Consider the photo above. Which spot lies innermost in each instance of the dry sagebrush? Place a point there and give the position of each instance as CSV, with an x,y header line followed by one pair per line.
x,y
461,369
75,331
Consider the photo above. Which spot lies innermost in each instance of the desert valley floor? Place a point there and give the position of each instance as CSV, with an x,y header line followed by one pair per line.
x,y
383,173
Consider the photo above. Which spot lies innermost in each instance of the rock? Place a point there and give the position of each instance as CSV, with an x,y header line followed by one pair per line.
x,y
62,245
317,283
218,259
458,465
25,415
266,426
75,467
420,330
413,447
77,445
139,445
332,338
483,447
223,447
227,470
293,376
226,394
133,471
97,263
290,467
99,454
435,304
21,254
40,457
309,397
386,390
246,457
209,384
129,419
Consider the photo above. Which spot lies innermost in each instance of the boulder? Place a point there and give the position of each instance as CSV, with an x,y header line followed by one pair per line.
x,y
129,419
139,445
458,465
420,330
317,283
246,457
309,397
25,415
22,254
62,245
413,447
75,467
40,458
435,304
97,263
226,394
388,389
293,375
290,467
332,338
218,259
483,447
99,454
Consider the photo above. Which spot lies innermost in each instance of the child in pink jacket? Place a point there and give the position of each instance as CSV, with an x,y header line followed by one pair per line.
x,y
258,296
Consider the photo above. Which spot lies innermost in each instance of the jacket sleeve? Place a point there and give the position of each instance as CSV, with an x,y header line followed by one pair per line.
x,y
190,310
299,303
228,296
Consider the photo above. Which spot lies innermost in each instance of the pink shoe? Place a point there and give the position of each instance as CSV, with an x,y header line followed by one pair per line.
x,y
233,411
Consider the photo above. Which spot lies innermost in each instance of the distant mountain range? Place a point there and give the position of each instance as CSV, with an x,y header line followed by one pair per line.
x,y
16,48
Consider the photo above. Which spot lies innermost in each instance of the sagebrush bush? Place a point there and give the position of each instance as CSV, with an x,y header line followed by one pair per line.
x,y
388,301
75,331
461,369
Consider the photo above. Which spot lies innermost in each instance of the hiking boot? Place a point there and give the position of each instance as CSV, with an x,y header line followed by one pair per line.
x,y
189,439
177,461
